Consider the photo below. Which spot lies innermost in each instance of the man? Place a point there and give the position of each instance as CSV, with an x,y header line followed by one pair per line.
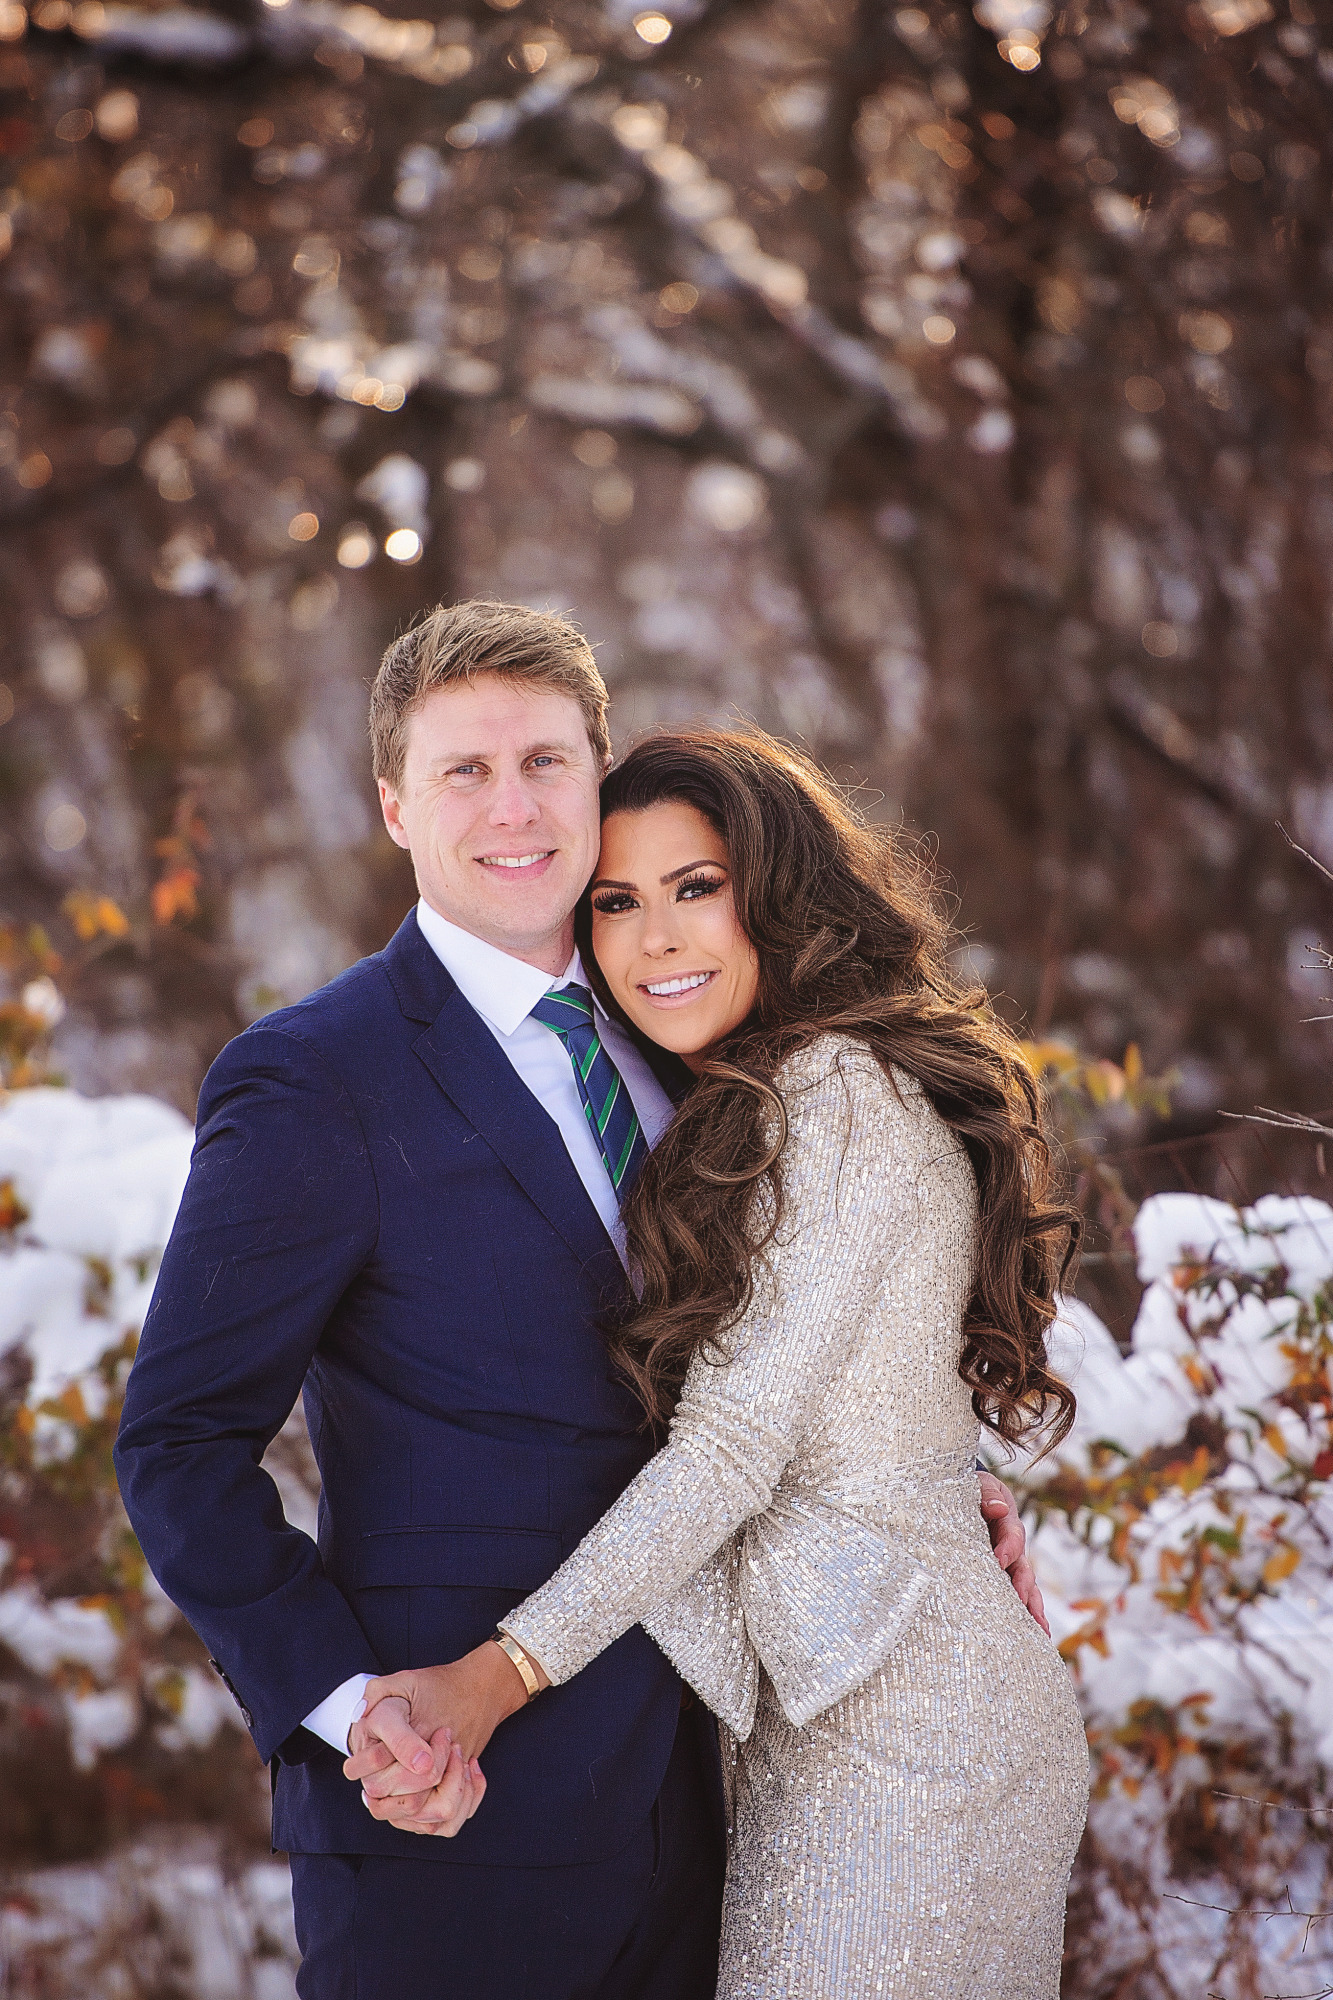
x,y
398,1206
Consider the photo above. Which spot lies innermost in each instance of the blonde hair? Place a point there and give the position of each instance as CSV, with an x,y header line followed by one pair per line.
x,y
456,642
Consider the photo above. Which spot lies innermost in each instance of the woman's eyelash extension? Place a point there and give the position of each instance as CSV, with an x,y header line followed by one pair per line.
x,y
610,904
708,884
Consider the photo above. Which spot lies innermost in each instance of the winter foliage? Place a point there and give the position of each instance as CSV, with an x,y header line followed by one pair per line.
x,y
1185,1544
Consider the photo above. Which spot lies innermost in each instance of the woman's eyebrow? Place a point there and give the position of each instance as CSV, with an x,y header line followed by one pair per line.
x,y
688,869
606,882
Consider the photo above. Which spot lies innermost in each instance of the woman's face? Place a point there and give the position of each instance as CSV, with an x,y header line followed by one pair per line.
x,y
664,928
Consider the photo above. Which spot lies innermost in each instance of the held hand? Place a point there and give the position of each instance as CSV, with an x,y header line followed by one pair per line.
x,y
440,1812
1009,1541
373,1739
383,1731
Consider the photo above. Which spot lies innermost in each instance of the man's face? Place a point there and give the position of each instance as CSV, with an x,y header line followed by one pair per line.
x,y
498,809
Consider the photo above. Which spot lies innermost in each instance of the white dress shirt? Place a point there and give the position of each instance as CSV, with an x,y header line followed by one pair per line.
x,y
504,990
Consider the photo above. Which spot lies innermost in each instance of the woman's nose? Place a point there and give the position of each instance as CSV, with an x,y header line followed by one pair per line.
x,y
660,935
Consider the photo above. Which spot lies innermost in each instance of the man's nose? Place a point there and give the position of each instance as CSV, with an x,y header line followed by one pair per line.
x,y
512,802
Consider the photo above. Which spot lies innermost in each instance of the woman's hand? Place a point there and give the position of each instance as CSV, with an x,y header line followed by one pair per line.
x,y
450,1711
470,1697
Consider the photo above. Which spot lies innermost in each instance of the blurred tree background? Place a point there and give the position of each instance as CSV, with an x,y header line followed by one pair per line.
x,y
946,388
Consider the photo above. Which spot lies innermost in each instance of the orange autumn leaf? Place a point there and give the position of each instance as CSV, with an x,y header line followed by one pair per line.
x,y
12,1211
71,1405
1196,1374
1190,1477
94,916
176,895
1281,1564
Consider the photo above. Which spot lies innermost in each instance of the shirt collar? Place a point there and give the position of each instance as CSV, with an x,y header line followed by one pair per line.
x,y
503,989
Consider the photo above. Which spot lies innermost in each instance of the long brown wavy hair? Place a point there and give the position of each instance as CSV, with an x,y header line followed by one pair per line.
x,y
850,939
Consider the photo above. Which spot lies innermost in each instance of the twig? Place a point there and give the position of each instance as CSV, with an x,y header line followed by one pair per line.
x,y
1296,848
1286,1121
1271,1805
1324,1993
1309,1917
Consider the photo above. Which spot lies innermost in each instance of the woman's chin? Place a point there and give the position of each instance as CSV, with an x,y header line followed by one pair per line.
x,y
670,1031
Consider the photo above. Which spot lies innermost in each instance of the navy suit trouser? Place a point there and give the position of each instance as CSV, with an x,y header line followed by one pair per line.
x,y
642,1926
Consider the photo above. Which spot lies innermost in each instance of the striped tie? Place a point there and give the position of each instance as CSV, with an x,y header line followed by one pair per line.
x,y
607,1103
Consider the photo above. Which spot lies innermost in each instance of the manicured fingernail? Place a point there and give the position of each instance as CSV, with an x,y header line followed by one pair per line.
x,y
422,1761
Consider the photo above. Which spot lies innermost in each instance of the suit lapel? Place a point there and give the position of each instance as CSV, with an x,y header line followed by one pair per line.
x,y
462,1055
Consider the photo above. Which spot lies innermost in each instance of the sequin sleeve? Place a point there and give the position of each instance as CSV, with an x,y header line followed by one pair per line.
x,y
814,1599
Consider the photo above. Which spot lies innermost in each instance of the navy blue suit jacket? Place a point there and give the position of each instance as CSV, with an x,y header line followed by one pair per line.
x,y
380,1212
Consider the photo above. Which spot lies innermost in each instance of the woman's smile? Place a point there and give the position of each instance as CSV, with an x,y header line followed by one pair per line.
x,y
681,986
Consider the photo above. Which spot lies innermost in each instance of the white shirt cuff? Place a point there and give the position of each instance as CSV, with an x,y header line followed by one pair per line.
x,y
335,1715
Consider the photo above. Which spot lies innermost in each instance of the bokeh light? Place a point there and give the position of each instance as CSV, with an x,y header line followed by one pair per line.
x,y
356,546
64,828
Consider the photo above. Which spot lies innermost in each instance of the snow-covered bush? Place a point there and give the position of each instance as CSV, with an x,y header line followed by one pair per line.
x,y
109,1714
121,1755
171,1913
1184,1540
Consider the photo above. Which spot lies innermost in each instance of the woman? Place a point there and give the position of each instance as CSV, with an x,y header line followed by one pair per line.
x,y
845,1256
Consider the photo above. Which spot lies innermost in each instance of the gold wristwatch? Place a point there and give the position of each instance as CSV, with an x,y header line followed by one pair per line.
x,y
513,1651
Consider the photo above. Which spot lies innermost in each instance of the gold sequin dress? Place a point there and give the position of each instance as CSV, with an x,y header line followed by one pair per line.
x,y
907,1767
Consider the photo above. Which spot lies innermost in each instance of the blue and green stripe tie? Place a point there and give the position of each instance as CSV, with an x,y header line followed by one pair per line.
x,y
607,1104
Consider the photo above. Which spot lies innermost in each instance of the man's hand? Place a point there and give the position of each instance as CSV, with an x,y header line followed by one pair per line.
x,y
1008,1538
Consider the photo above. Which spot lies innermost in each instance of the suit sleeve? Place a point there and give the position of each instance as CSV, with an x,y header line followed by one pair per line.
x,y
279,1214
